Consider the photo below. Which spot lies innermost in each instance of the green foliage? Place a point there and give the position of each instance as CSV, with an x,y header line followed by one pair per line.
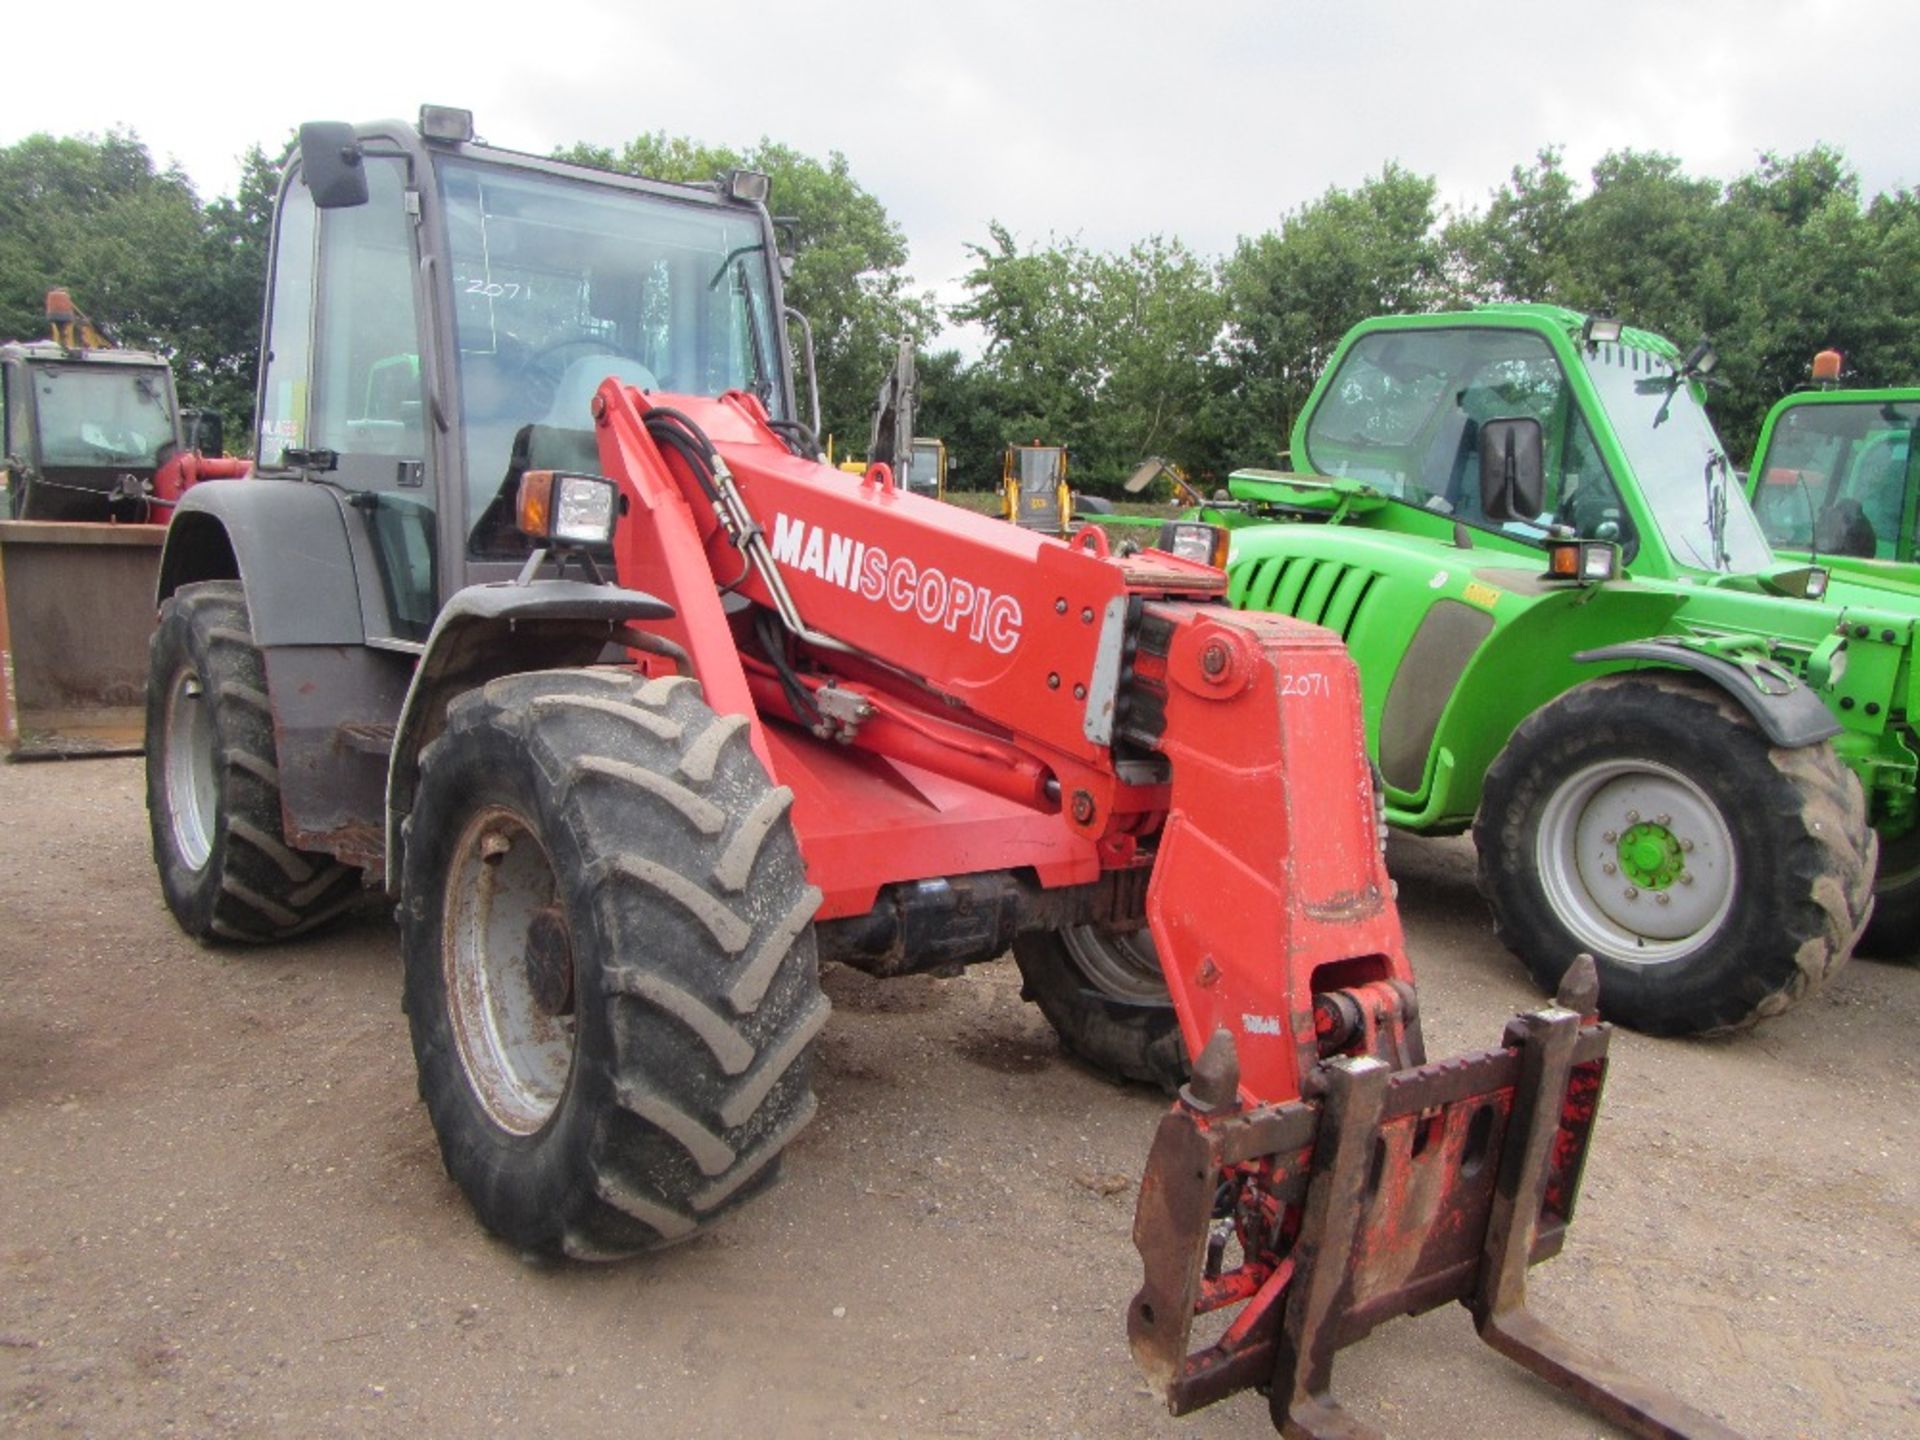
x,y
1292,293
1113,356
1149,349
93,215
848,278
968,407
141,256
1780,263
1514,250
220,345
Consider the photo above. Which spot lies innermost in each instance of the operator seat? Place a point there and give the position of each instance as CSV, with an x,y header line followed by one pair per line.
x,y
1453,454
1845,530
574,393
495,535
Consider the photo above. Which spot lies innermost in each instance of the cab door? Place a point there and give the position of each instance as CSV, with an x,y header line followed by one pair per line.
x,y
342,396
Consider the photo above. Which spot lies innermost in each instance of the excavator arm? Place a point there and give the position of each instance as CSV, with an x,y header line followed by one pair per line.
x,y
952,698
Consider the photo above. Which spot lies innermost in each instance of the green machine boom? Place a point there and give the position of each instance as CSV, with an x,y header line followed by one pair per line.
x,y
1676,751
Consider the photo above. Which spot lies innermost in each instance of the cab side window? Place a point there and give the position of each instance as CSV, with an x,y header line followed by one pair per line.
x,y
366,382
283,397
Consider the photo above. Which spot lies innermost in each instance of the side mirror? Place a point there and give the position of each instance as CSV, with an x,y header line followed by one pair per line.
x,y
1513,477
330,164
205,431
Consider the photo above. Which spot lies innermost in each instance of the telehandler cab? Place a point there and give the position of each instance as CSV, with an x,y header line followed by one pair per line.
x,y
1835,478
545,616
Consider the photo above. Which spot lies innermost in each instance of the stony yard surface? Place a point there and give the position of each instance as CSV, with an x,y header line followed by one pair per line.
x,y
222,1211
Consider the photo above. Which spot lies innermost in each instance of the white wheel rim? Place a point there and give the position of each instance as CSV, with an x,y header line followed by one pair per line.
x,y
517,1056
192,805
1124,966
1613,902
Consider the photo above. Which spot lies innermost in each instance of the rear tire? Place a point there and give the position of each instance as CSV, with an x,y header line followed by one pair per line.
x,y
213,782
1715,878
1107,1001
611,976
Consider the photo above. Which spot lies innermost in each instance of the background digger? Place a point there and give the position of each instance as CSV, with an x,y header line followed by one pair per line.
x,y
918,462
840,722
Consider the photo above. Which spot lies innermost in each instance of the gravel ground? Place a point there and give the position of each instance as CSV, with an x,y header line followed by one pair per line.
x,y
222,1210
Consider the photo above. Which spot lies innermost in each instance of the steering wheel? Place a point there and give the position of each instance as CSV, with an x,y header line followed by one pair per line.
x,y
543,369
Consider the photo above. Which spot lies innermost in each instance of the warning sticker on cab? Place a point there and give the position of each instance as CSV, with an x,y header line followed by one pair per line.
x,y
1482,595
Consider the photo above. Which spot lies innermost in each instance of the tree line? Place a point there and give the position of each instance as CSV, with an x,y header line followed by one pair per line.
x,y
1152,349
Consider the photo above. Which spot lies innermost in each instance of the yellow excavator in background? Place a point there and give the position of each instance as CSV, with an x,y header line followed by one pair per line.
x,y
1033,488
917,462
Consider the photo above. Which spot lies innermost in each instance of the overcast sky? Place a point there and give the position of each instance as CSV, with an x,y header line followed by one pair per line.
x,y
1107,122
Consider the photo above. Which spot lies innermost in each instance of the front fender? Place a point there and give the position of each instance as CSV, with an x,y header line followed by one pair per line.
x,y
1789,713
285,542
484,632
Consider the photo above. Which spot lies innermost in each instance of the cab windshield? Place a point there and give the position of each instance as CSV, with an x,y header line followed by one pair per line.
x,y
101,415
559,285
1684,476
1840,474
1404,412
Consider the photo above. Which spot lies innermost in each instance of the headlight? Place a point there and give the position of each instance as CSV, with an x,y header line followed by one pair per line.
x,y
1588,561
1191,540
566,509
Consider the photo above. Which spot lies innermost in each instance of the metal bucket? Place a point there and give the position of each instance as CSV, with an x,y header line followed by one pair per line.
x,y
76,611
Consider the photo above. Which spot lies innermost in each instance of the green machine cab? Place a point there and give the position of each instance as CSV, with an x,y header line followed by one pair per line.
x,y
1673,747
1836,478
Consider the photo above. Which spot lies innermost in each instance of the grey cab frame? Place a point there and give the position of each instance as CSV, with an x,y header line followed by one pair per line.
x,y
302,535
445,458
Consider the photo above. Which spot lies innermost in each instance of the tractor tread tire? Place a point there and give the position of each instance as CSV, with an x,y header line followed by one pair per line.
x,y
697,999
253,887
1803,850
1126,1039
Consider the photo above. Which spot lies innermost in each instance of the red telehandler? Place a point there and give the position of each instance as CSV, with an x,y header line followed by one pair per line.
x,y
717,712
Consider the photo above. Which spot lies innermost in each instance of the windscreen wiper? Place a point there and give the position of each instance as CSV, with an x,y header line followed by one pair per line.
x,y
762,379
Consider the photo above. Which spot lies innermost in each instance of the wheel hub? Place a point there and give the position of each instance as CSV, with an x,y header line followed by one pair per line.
x,y
1651,856
550,961
189,770
507,962
1637,860
1121,964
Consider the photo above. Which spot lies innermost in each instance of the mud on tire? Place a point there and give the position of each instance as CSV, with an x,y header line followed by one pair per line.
x,y
1103,1005
1768,846
213,782
637,832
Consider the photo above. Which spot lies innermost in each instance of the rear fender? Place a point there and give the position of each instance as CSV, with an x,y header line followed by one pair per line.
x,y
484,632
1791,715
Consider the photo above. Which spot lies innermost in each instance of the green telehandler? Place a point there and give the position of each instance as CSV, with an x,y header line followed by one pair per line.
x,y
1836,478
1675,750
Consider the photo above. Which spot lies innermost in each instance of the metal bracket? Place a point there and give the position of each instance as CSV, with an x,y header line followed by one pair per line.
x,y
1103,686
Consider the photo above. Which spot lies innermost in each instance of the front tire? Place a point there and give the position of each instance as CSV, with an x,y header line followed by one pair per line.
x,y
611,976
1894,931
1645,818
213,782
1106,999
